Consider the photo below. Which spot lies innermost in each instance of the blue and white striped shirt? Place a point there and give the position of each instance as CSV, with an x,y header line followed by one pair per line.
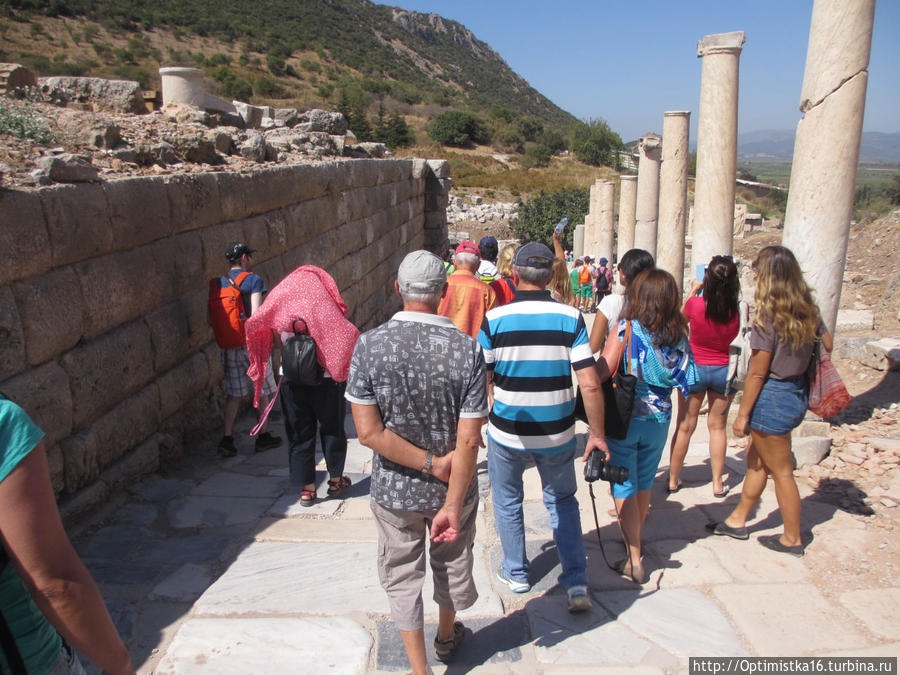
x,y
531,345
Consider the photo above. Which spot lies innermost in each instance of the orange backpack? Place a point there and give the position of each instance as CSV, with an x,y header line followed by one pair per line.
x,y
226,311
584,276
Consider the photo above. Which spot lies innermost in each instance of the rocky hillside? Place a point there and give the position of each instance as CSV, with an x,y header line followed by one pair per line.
x,y
297,53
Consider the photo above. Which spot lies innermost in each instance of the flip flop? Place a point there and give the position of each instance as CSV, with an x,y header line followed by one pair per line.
x,y
672,491
722,493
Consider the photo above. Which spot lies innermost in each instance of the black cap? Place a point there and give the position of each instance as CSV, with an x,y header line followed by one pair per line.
x,y
488,248
533,254
236,249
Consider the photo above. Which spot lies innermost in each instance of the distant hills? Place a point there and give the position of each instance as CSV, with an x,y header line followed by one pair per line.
x,y
778,145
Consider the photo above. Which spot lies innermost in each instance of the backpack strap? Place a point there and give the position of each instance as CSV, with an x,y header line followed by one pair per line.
x,y
7,641
512,286
238,280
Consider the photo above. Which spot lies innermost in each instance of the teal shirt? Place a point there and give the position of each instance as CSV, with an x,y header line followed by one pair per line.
x,y
38,642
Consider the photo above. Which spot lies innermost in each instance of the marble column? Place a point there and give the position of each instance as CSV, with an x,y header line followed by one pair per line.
x,y
590,220
627,206
578,241
673,179
826,148
647,209
716,146
606,220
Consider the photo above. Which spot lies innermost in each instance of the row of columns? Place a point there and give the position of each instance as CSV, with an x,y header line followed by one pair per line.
x,y
653,204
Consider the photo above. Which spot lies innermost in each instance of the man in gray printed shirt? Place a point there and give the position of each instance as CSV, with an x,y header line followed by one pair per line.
x,y
418,391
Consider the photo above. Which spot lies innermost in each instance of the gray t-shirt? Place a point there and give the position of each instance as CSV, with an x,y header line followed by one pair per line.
x,y
787,363
423,373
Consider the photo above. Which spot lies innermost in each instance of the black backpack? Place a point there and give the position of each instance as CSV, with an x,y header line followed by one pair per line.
x,y
299,361
602,281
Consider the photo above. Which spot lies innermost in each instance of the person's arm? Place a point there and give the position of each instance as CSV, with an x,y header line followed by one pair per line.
x,y
445,526
256,299
599,332
589,381
557,246
373,434
612,354
696,286
59,583
756,376
827,341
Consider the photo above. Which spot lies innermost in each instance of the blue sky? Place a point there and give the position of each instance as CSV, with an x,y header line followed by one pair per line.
x,y
629,61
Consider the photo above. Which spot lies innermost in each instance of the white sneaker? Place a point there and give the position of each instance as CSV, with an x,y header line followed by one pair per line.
x,y
579,600
514,586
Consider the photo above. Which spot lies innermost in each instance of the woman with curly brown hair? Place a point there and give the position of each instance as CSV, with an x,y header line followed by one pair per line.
x,y
776,393
660,357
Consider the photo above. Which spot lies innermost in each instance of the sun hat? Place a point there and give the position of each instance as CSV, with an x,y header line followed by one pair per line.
x,y
421,272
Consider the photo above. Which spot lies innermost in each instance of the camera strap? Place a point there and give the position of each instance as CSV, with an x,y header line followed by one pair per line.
x,y
597,527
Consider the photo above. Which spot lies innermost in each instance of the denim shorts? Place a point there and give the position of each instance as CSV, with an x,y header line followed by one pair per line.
x,y
639,452
780,407
711,377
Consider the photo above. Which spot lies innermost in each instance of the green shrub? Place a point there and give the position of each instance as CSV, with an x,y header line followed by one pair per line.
x,y
539,214
266,86
458,128
595,143
219,59
237,89
536,155
20,121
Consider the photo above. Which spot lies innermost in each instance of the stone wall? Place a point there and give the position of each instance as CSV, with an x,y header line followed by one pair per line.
x,y
103,328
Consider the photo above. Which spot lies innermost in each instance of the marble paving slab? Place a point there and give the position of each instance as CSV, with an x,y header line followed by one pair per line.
x,y
748,561
263,646
878,609
683,564
215,511
788,619
318,529
670,618
186,583
230,484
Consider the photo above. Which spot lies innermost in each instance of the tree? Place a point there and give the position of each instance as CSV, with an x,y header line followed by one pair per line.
x,y
594,143
536,154
538,215
458,128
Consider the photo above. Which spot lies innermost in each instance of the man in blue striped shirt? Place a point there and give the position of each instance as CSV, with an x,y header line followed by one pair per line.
x,y
531,346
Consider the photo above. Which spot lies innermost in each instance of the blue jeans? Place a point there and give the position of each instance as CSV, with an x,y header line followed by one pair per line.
x,y
557,471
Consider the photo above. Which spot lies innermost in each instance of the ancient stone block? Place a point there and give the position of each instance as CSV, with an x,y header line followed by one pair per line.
x,y
77,222
175,259
119,287
309,218
849,347
298,256
883,354
215,240
104,370
138,210
46,304
188,379
195,307
439,167
12,339
272,271
80,459
809,450
43,393
194,200
214,359
126,425
144,459
69,168
123,96
855,320
82,503
23,235
170,334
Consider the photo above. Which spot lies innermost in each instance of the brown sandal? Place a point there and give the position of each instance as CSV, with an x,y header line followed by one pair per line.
x,y
337,485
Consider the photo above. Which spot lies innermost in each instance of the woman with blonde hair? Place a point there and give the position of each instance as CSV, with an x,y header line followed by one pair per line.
x,y
504,286
787,327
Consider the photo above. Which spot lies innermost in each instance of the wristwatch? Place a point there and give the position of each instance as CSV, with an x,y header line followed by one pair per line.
x,y
426,468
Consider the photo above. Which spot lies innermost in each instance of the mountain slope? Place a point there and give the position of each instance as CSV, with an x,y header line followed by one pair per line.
x,y
309,48
875,147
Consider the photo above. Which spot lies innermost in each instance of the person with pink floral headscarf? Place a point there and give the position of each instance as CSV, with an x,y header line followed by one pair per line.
x,y
308,300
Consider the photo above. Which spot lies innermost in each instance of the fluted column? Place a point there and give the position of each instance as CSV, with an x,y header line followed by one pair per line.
x,y
647,210
606,220
627,206
590,220
673,176
578,241
826,149
716,146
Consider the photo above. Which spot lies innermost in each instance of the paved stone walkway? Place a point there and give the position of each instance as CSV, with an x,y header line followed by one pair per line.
x,y
218,569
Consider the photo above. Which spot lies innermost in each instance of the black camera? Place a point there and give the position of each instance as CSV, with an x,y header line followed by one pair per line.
x,y
597,469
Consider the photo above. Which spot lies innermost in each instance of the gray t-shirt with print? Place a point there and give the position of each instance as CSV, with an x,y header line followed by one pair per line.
x,y
423,373
787,362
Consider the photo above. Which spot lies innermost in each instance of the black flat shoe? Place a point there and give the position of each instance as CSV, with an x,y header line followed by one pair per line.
x,y
773,543
727,531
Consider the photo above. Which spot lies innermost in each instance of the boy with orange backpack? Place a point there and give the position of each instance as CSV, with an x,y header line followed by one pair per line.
x,y
232,300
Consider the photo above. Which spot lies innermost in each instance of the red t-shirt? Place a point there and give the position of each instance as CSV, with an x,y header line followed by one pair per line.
x,y
709,340
505,290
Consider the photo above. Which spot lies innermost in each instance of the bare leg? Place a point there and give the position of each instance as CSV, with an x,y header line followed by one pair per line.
x,y
414,641
232,404
775,451
446,617
715,422
630,524
754,484
688,412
